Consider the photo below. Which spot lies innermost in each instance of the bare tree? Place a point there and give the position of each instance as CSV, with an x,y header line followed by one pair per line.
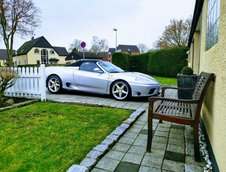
x,y
175,34
17,17
99,45
76,45
143,48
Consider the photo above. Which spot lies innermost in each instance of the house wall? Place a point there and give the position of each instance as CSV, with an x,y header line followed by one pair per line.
x,y
2,62
32,58
214,109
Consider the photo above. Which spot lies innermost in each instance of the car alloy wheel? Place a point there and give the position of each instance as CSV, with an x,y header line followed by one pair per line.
x,y
120,90
54,84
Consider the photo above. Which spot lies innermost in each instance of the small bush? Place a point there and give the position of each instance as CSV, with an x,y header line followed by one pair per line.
x,y
187,71
7,79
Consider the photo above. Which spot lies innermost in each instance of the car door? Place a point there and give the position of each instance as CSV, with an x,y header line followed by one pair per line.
x,y
91,78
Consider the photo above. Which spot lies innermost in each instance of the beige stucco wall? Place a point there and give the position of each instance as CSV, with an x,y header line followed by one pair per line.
x,y
214,108
32,58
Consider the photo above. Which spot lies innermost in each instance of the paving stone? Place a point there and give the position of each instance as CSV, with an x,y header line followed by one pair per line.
x,y
113,137
98,170
130,135
88,162
178,126
157,145
192,168
108,142
142,137
161,128
117,155
141,122
176,136
137,149
138,142
161,133
121,147
176,131
126,140
107,164
101,148
176,142
134,130
94,154
133,158
160,139
129,121
189,149
175,148
155,153
144,131
191,160
126,166
172,165
174,156
149,169
77,168
151,162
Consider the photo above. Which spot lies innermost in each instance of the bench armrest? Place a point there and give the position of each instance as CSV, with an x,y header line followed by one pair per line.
x,y
164,88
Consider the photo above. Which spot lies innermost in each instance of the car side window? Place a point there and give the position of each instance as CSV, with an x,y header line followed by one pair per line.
x,y
89,66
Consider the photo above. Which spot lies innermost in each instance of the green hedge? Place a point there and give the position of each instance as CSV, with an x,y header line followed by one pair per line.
x,y
166,62
121,60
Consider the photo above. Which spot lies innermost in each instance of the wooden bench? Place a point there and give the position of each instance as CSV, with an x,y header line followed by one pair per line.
x,y
181,111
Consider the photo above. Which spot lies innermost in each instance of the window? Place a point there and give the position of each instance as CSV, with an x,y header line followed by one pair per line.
x,y
90,67
44,56
36,50
52,52
213,12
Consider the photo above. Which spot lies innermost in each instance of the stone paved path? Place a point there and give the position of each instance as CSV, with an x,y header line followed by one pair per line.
x,y
172,147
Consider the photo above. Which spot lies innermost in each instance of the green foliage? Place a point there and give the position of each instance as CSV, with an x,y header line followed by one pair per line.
x,y
187,71
52,136
166,62
121,60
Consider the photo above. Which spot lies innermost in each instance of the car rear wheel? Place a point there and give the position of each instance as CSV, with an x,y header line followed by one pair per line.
x,y
54,84
120,90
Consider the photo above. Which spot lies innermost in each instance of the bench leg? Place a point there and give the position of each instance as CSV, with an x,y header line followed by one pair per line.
x,y
196,143
149,141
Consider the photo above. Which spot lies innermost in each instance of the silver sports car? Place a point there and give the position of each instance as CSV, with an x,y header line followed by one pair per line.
x,y
100,77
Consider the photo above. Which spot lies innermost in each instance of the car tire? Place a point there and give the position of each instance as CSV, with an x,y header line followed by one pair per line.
x,y
54,84
120,90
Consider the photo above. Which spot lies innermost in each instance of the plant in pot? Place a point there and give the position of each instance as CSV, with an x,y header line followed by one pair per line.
x,y
186,80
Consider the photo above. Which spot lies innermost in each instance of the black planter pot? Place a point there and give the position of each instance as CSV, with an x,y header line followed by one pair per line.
x,y
186,81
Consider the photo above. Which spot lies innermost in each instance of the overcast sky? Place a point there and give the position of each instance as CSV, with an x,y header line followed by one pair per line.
x,y
137,21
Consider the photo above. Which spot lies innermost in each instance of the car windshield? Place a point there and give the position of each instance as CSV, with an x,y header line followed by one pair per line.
x,y
110,68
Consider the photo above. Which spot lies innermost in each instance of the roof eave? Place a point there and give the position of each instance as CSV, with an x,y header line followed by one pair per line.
x,y
196,15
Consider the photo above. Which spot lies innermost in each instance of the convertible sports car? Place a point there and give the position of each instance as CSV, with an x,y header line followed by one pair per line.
x,y
100,77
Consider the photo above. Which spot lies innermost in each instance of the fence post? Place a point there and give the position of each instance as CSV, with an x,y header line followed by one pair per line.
x,y
42,83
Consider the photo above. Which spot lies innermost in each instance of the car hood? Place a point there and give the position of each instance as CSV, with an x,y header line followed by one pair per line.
x,y
136,77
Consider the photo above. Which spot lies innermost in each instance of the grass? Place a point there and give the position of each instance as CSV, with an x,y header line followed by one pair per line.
x,y
165,80
52,136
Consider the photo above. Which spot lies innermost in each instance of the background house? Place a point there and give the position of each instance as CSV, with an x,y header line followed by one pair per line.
x,y
127,49
39,51
207,52
75,55
3,57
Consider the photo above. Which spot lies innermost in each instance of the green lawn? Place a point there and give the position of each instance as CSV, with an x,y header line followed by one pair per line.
x,y
52,136
165,80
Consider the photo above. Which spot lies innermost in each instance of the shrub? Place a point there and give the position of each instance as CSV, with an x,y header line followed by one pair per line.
x,y
121,60
187,71
7,79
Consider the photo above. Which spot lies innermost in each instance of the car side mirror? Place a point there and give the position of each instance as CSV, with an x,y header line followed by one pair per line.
x,y
98,70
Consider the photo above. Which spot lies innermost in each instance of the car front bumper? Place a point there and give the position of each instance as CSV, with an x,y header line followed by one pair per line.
x,y
141,90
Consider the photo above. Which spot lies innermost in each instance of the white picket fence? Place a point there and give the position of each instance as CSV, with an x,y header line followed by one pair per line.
x,y
30,83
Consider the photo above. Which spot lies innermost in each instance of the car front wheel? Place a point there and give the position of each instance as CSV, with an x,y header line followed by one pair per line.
x,y
54,84
120,90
